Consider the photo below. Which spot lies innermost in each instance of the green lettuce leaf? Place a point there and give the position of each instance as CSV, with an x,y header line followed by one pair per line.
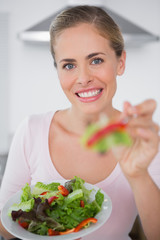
x,y
25,206
41,187
77,194
99,197
79,184
38,227
26,193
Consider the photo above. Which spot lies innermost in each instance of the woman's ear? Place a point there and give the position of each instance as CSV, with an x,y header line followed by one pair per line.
x,y
121,63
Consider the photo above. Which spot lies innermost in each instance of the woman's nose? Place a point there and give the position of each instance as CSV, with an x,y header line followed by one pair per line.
x,y
84,77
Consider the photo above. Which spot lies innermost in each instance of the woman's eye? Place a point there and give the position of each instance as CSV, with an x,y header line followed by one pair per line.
x,y
68,66
97,61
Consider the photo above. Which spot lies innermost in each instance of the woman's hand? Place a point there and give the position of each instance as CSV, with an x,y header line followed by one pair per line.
x,y
135,160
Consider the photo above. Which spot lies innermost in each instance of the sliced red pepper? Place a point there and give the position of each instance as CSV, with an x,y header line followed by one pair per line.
x,y
104,131
52,232
63,190
44,193
82,203
51,199
67,231
23,224
84,223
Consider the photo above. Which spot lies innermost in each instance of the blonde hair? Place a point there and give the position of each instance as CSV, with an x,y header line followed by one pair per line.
x,y
91,15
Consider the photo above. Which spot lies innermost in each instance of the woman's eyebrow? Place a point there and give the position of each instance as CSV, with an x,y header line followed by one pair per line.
x,y
68,60
88,57
94,54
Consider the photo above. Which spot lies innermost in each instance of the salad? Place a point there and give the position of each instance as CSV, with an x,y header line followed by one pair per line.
x,y
54,209
103,135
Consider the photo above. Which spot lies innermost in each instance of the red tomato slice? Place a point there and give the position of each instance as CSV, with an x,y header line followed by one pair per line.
x,y
63,190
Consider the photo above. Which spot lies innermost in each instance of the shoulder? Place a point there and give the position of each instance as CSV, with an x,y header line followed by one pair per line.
x,y
35,122
42,118
33,125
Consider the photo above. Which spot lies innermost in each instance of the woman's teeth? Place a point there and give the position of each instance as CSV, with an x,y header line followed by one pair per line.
x,y
89,93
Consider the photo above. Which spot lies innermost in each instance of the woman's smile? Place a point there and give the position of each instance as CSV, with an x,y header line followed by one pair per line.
x,y
89,95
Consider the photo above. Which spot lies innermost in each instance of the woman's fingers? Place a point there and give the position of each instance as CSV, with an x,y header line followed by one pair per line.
x,y
140,130
147,134
140,121
140,116
145,108
155,128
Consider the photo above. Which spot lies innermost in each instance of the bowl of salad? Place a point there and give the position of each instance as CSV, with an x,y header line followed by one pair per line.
x,y
60,210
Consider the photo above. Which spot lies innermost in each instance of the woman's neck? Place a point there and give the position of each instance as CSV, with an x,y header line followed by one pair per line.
x,y
77,121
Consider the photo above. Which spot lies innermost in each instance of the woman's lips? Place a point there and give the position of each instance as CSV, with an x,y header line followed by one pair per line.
x,y
89,95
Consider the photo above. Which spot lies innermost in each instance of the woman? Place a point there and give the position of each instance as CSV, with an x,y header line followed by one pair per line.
x,y
88,52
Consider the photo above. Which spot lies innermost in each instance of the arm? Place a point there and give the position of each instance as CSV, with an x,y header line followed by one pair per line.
x,y
4,232
134,162
17,170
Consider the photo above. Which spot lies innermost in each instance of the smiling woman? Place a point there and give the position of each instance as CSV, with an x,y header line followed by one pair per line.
x,y
88,72
88,52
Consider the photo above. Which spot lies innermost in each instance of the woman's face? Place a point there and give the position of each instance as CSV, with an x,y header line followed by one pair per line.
x,y
87,68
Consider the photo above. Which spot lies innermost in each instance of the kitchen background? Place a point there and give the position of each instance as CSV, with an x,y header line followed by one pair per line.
x,y
28,79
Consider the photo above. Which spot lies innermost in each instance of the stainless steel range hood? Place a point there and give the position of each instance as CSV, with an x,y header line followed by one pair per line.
x,y
132,33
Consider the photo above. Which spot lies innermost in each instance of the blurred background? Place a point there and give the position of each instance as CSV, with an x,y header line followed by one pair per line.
x,y
28,79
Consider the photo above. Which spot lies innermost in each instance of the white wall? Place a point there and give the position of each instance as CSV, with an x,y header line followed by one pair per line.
x,y
4,81
34,86
142,76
